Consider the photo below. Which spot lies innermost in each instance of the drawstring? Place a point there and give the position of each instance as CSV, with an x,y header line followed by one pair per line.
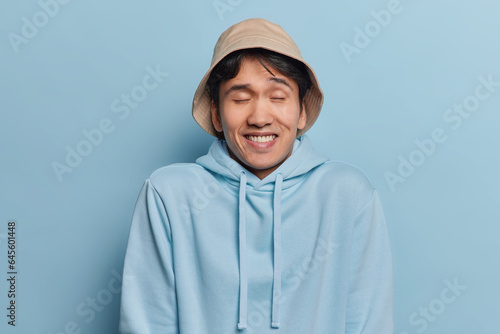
x,y
275,318
242,324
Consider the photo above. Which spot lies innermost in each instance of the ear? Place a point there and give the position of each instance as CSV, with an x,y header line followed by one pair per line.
x,y
302,117
215,117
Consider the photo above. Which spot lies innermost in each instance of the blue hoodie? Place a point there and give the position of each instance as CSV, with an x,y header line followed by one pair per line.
x,y
213,249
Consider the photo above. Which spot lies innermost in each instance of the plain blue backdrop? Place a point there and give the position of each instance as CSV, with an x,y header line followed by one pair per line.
x,y
75,151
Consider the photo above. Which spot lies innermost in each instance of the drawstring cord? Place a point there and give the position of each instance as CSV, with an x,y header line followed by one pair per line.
x,y
242,324
275,323
275,318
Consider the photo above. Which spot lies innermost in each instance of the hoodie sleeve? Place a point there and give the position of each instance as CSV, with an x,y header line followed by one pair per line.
x,y
370,290
148,302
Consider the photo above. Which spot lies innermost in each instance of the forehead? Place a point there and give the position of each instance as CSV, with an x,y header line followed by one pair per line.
x,y
253,72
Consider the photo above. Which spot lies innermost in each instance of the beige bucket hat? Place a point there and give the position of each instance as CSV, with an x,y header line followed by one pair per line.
x,y
255,33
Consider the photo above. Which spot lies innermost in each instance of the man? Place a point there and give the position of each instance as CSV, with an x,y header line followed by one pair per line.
x,y
262,234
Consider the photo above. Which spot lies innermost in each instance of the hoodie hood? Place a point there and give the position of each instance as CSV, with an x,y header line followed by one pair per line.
x,y
302,160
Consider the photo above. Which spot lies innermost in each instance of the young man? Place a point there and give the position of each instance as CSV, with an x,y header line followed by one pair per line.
x,y
262,234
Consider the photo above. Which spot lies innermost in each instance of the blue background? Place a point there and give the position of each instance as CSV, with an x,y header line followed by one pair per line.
x,y
62,77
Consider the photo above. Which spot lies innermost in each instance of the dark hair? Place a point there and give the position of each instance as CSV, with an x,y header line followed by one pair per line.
x,y
229,67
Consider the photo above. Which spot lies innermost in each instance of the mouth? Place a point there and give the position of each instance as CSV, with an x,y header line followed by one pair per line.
x,y
261,139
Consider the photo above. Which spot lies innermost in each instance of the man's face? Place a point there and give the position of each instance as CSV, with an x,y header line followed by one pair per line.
x,y
260,114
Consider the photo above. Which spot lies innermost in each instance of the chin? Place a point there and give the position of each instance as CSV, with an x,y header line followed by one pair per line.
x,y
263,165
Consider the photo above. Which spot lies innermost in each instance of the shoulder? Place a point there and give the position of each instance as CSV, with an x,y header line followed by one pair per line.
x,y
177,175
344,173
346,178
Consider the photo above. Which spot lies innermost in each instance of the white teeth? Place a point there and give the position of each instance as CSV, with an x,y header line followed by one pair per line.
x,y
261,139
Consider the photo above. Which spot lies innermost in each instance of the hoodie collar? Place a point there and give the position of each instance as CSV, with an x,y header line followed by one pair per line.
x,y
301,161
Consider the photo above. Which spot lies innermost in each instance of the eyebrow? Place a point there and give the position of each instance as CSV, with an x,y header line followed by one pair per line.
x,y
235,88
281,81
246,86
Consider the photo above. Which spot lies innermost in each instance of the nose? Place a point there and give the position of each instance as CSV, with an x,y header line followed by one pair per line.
x,y
260,114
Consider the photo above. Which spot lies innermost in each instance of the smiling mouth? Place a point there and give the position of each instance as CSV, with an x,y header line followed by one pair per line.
x,y
261,139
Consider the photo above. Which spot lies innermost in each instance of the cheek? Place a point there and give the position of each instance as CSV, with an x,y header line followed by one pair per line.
x,y
229,124
291,117
231,120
